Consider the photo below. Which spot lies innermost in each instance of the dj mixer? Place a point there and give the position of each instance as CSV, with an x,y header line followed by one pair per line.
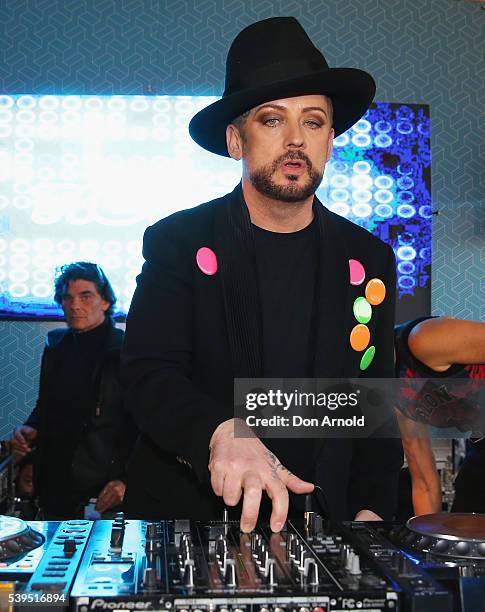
x,y
434,564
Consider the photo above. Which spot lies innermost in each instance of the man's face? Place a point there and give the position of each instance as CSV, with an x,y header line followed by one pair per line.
x,y
25,483
284,145
83,306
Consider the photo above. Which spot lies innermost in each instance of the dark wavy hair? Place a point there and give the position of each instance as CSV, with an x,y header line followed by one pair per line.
x,y
84,270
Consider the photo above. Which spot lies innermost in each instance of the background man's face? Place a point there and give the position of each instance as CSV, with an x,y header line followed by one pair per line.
x,y
83,306
285,145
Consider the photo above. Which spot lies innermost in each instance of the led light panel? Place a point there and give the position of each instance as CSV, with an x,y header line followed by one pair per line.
x,y
81,177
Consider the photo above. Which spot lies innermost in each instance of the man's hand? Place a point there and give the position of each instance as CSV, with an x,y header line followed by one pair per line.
x,y
22,438
111,495
367,515
244,466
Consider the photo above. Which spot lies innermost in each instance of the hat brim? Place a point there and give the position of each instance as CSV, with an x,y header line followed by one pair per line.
x,y
351,91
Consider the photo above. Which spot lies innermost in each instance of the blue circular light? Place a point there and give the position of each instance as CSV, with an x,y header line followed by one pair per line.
x,y
404,127
384,210
383,181
406,197
382,140
406,211
405,182
342,140
406,267
425,211
406,253
405,113
383,196
383,126
342,195
404,168
361,140
361,167
362,126
425,254
406,238
406,282
339,167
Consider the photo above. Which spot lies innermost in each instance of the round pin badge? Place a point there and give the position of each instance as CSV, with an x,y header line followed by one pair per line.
x,y
362,310
375,291
367,357
359,337
206,261
357,272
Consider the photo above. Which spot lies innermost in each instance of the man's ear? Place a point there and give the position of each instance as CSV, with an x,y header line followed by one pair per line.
x,y
331,136
234,142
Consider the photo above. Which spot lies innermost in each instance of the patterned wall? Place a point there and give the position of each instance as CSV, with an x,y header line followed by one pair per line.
x,y
427,51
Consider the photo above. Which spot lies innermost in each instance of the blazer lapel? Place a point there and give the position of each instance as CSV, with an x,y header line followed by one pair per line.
x,y
233,236
332,303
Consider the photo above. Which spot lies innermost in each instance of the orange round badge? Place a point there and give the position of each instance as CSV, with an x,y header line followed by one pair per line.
x,y
375,291
359,337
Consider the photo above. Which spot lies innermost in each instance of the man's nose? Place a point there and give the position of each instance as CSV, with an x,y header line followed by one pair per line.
x,y
294,137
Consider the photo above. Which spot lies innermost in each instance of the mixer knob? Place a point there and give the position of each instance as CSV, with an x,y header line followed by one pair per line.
x,y
117,534
189,574
230,573
301,558
149,578
151,532
311,572
355,567
272,573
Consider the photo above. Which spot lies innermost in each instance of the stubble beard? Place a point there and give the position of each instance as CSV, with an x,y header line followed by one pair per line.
x,y
262,180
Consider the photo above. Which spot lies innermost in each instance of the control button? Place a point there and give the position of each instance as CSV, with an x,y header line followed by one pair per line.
x,y
230,575
53,574
189,574
117,534
462,548
69,547
481,549
149,578
441,546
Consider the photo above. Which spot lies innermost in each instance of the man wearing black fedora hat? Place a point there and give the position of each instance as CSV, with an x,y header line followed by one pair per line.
x,y
259,283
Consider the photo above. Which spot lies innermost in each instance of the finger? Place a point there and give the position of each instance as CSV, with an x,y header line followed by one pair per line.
x,y
217,481
278,494
231,491
253,491
295,484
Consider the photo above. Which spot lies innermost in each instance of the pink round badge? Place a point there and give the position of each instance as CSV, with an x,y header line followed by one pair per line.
x,y
357,272
206,260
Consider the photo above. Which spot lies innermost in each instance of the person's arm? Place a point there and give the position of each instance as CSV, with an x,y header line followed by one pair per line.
x,y
170,408
426,483
377,461
443,341
24,435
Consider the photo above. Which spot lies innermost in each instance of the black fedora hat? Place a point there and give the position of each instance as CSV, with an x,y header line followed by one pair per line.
x,y
274,59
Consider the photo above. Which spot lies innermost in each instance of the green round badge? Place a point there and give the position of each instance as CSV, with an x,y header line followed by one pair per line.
x,y
367,357
362,310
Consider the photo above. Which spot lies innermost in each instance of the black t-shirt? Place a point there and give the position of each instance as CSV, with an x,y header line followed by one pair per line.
x,y
445,402
286,270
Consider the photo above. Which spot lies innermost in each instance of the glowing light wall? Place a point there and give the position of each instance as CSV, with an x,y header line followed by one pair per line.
x,y
81,177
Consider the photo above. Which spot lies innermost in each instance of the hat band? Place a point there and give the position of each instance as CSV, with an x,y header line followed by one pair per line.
x,y
274,73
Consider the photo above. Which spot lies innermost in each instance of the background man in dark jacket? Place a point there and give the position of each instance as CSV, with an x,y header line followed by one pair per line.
x,y
258,283
82,434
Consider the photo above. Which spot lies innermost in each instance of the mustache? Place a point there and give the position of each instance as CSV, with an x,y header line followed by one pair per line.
x,y
292,156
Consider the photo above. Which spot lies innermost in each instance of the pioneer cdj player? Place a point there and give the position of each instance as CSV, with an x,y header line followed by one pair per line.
x,y
185,566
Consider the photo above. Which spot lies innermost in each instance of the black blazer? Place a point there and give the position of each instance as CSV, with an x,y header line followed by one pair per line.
x,y
188,335
106,440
